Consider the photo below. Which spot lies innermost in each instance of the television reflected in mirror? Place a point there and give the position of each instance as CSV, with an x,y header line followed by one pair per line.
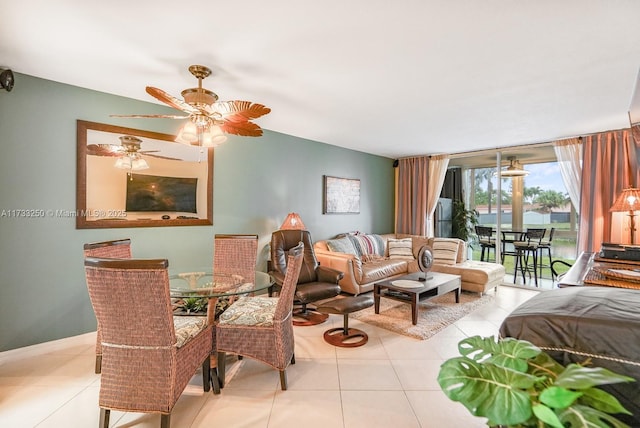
x,y
134,178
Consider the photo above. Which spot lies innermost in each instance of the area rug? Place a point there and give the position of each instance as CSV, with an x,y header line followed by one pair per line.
x,y
433,315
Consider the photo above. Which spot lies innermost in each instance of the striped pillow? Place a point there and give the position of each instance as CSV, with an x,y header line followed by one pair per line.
x,y
445,252
400,248
367,244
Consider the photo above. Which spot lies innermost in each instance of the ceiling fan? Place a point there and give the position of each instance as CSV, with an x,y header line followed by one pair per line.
x,y
130,146
128,153
208,117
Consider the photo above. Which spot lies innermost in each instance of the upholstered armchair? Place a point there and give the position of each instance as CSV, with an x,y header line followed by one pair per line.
x,y
314,283
148,355
115,249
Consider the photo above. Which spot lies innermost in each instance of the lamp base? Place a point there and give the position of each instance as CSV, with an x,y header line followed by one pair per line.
x,y
632,227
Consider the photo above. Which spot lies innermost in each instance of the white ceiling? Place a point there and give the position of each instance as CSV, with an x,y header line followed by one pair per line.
x,y
402,78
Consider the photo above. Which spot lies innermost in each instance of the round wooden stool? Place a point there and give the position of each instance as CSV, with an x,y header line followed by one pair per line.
x,y
345,337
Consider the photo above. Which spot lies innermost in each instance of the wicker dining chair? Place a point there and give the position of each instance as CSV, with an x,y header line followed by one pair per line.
x,y
235,255
116,249
261,327
149,356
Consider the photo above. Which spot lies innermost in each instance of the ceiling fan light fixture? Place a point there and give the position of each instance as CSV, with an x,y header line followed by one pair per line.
x,y
213,137
123,162
188,134
132,162
138,164
514,169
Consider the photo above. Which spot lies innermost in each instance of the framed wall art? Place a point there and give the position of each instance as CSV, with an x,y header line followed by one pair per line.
x,y
341,195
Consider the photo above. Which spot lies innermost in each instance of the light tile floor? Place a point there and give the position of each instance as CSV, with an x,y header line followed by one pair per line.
x,y
389,382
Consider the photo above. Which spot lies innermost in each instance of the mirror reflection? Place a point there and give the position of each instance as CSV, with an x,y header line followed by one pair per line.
x,y
134,178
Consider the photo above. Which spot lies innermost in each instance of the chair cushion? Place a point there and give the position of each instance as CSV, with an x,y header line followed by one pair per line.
x,y
487,241
525,245
187,327
400,248
314,291
254,311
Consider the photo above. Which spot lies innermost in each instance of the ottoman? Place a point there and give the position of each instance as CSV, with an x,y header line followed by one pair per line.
x,y
475,276
345,337
577,323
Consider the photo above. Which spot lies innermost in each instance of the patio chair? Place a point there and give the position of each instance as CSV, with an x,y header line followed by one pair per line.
x,y
487,242
545,245
525,249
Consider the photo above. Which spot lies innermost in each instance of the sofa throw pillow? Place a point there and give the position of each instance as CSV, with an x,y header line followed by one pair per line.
x,y
445,252
341,245
400,248
367,244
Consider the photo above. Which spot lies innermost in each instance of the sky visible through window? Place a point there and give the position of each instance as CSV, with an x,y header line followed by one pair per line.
x,y
544,175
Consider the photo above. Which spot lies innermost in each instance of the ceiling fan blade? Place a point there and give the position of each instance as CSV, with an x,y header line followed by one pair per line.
x,y
160,157
171,100
161,116
105,150
244,128
240,110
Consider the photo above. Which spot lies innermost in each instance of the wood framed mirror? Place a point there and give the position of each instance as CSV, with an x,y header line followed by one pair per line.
x,y
174,189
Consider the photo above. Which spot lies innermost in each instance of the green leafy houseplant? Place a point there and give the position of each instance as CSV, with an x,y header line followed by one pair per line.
x,y
194,305
463,221
513,383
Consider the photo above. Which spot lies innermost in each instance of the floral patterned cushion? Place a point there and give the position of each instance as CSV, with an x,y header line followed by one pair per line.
x,y
256,311
187,328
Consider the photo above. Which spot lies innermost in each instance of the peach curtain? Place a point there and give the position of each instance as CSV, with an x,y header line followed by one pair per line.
x,y
420,182
609,165
413,175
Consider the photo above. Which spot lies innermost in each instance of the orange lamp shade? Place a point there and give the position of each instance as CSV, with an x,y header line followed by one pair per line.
x,y
293,222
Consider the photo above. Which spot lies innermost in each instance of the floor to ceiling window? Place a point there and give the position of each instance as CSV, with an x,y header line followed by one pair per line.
x,y
538,199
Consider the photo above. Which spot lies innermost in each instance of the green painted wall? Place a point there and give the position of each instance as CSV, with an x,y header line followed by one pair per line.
x,y
257,181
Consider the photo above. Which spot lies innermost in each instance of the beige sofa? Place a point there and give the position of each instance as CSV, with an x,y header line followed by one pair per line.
x,y
370,259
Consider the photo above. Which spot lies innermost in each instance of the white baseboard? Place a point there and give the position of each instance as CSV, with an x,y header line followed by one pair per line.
x,y
47,347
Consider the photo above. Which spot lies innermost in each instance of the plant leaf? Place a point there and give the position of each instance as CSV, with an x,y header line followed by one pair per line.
x,y
602,400
544,365
509,352
546,415
576,376
487,390
578,416
558,398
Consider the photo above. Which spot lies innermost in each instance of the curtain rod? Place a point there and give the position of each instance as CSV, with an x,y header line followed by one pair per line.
x,y
527,146
514,148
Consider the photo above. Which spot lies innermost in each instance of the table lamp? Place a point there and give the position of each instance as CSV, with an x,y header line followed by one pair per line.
x,y
628,200
293,222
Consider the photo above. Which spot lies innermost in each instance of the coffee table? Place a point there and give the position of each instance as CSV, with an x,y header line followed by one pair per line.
x,y
437,285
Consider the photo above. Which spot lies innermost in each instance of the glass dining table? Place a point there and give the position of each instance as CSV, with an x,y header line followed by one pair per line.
x,y
194,289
